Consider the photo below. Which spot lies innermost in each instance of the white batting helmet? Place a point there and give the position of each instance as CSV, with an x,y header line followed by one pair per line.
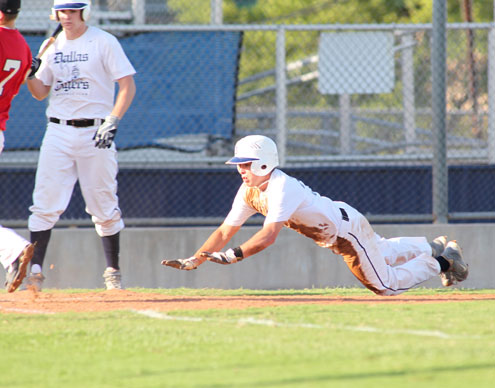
x,y
84,5
260,150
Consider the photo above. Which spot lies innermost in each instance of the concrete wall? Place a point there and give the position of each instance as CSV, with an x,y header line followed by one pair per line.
x,y
75,259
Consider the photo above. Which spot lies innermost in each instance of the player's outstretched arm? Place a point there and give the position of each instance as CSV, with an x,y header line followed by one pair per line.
x,y
217,240
261,240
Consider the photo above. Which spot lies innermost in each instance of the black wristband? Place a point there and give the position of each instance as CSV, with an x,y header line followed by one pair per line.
x,y
238,253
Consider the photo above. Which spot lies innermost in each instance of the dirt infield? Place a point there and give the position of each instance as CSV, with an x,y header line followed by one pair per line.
x,y
53,302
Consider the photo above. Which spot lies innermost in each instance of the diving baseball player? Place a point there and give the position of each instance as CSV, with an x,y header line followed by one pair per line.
x,y
15,64
78,74
385,266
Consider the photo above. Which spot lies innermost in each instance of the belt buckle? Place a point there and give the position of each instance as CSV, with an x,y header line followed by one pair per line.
x,y
81,123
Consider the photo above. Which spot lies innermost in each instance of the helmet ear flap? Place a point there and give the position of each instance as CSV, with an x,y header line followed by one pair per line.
x,y
265,166
85,13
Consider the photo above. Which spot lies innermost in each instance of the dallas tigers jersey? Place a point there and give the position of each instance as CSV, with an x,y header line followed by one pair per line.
x,y
82,74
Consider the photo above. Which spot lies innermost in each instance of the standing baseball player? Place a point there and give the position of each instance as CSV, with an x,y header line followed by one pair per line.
x,y
15,64
78,73
385,266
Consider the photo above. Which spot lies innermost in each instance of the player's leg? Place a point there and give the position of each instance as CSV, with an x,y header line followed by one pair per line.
x,y
399,250
97,169
15,251
54,183
112,276
56,176
358,245
15,254
11,247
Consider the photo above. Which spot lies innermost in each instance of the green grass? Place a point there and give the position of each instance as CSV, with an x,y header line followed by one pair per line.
x,y
341,345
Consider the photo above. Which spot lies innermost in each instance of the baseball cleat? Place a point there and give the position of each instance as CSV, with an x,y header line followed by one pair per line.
x,y
112,278
438,246
34,281
458,270
447,279
17,271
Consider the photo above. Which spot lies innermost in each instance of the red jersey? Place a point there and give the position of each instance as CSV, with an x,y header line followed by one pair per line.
x,y
15,61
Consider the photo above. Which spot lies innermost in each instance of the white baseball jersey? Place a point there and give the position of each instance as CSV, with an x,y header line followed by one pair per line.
x,y
385,266
82,73
287,199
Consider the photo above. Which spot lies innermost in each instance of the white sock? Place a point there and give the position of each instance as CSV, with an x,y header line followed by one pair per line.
x,y
35,268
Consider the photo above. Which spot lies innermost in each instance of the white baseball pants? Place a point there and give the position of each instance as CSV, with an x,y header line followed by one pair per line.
x,y
68,154
385,266
11,246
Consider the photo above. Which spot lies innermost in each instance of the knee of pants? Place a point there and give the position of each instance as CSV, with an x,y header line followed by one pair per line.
x,y
38,222
108,228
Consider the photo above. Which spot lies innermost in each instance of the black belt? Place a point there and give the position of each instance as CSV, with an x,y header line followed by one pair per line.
x,y
77,123
345,217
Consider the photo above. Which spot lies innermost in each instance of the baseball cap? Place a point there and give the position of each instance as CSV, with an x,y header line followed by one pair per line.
x,y
10,7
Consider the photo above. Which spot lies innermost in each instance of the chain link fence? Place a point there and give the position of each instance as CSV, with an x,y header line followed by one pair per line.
x,y
350,107
35,13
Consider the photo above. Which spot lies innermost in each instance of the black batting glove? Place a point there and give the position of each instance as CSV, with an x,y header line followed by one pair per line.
x,y
106,132
35,65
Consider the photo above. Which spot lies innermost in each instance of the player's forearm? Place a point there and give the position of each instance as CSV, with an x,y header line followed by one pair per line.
x,y
217,240
262,239
38,89
127,91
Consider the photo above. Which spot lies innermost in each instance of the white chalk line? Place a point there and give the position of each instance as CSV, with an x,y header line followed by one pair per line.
x,y
269,322
24,311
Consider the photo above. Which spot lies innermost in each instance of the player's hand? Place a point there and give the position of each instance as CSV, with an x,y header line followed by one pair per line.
x,y
35,65
106,132
227,257
184,264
